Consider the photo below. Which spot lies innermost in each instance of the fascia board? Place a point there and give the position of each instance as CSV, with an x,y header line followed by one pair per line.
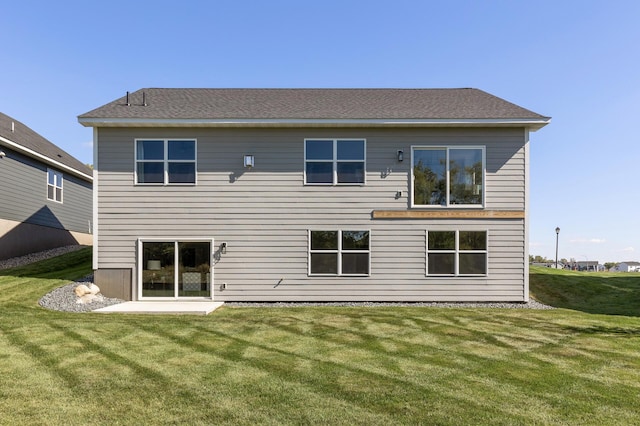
x,y
533,124
44,158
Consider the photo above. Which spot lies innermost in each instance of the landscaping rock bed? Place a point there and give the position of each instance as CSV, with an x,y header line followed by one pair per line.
x,y
65,299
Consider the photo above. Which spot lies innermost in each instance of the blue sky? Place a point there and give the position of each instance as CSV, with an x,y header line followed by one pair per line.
x,y
577,61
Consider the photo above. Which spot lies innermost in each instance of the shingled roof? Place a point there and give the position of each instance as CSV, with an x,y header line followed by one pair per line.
x,y
23,139
211,106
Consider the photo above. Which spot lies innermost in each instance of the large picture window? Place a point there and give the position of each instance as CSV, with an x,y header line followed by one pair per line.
x,y
448,176
54,185
339,253
334,161
165,161
456,253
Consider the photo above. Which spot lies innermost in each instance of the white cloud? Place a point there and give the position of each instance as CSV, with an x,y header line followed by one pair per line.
x,y
588,241
88,144
627,250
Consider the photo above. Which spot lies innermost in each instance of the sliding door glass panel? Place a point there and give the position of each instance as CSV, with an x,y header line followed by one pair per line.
x,y
194,269
158,269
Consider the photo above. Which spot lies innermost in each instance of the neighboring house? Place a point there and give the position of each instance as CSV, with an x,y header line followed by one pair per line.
x,y
628,267
46,198
312,195
588,266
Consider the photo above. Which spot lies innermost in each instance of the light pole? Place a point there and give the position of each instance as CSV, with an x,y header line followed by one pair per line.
x,y
557,235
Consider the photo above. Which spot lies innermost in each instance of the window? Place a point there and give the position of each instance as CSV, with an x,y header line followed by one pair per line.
x,y
448,176
165,161
457,253
334,161
54,185
339,253
173,269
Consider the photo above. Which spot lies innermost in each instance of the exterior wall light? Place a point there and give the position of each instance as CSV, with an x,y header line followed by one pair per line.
x,y
223,248
249,161
2,154
400,155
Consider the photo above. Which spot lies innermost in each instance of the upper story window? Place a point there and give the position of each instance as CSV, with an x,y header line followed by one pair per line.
x,y
448,176
165,161
334,161
54,185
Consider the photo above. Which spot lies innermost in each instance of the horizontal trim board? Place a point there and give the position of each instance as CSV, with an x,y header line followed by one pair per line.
x,y
533,124
447,214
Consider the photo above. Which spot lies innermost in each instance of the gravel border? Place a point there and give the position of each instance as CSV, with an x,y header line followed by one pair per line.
x,y
14,262
64,299
532,304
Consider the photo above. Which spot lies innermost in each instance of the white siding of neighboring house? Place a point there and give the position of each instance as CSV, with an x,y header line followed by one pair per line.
x,y
628,267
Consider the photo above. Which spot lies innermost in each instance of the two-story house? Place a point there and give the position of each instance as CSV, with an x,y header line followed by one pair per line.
x,y
312,195
46,197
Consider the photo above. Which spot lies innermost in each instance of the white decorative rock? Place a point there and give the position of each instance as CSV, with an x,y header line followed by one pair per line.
x,y
81,290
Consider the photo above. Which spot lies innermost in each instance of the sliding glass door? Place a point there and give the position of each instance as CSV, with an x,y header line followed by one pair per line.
x,y
175,269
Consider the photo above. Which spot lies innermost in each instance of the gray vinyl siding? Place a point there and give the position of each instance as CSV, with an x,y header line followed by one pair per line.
x,y
264,214
24,195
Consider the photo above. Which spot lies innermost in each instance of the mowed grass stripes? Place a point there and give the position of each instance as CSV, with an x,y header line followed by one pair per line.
x,y
312,365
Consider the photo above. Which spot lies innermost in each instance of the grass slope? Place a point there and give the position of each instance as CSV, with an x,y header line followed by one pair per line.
x,y
597,293
326,365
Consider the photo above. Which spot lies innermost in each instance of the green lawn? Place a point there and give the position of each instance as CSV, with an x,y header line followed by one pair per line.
x,y
325,365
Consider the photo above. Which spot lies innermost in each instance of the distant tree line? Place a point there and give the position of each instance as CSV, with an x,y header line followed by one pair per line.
x,y
540,259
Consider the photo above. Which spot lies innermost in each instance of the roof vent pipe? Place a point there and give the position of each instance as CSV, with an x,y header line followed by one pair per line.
x,y
128,104
144,99
13,126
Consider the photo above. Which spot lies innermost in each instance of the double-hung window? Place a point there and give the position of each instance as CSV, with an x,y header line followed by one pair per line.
x,y
339,253
448,176
334,161
54,185
457,253
165,161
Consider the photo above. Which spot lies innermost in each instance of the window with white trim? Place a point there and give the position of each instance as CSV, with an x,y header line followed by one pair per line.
x,y
54,185
334,161
339,253
165,161
457,253
448,176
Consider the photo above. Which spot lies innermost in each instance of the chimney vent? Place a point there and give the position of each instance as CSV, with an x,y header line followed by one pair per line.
x,y
128,103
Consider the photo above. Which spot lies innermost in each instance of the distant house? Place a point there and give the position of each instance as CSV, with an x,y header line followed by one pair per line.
x,y
588,266
46,196
628,267
312,195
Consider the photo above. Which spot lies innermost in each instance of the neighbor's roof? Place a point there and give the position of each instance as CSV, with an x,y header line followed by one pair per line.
x,y
17,136
311,106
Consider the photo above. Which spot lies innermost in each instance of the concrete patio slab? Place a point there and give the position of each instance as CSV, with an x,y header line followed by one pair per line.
x,y
164,307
